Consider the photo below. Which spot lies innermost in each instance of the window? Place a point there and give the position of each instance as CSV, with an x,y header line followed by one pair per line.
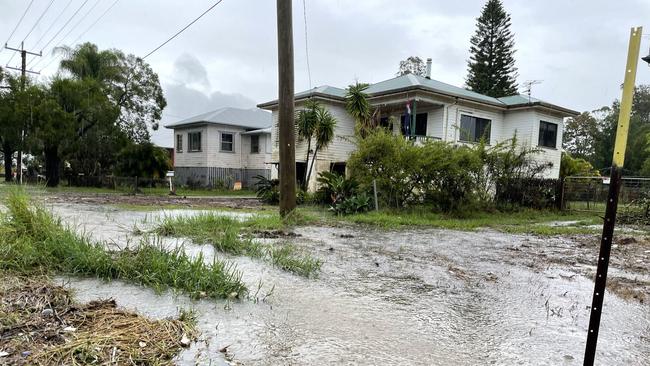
x,y
255,144
473,129
547,134
194,141
227,142
179,143
420,125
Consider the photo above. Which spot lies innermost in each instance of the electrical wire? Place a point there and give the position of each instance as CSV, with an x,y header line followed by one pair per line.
x,y
304,14
38,20
14,31
84,32
52,24
19,21
182,30
66,24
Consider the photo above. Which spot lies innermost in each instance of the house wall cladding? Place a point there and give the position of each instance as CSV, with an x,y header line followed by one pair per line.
x,y
213,176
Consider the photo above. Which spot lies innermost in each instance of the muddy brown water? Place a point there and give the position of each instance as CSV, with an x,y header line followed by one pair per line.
x,y
412,297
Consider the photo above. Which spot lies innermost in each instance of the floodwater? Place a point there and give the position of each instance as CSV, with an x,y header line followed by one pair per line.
x,y
416,297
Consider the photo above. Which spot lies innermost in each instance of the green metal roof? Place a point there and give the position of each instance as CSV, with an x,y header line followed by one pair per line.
x,y
410,82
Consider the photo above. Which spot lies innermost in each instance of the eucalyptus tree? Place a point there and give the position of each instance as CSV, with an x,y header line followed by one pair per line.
x,y
129,81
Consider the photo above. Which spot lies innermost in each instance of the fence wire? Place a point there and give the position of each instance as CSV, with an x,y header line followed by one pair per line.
x,y
590,194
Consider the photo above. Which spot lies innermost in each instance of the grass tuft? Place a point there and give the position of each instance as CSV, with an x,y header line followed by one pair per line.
x,y
32,240
234,236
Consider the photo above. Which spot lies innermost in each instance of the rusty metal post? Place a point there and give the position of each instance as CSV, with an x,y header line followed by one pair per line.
x,y
612,198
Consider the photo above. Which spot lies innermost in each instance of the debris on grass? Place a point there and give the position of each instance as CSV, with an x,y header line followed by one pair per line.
x,y
79,334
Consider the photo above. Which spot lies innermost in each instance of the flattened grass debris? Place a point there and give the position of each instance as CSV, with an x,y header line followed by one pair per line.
x,y
102,333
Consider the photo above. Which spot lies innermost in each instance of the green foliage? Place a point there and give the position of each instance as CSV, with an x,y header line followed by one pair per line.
x,y
267,190
314,122
591,135
142,160
571,166
233,236
342,194
412,65
357,105
32,240
491,67
450,177
129,82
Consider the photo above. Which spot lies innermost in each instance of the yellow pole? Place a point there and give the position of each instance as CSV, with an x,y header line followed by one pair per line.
x,y
600,280
628,95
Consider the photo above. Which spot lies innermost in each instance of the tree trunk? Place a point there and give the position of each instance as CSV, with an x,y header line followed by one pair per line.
x,y
304,183
52,166
8,153
310,168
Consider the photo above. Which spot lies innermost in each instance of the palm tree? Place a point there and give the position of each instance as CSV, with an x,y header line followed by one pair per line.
x,y
323,133
356,103
306,126
86,61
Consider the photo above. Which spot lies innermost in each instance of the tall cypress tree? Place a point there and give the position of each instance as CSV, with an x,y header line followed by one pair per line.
x,y
491,67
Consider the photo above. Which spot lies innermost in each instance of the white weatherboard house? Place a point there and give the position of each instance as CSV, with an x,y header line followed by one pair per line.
x,y
222,147
441,112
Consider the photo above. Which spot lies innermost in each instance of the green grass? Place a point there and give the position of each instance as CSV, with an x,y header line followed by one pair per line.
x,y
524,221
235,236
32,240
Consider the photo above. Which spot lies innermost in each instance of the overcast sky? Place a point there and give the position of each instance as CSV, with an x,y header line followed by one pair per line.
x,y
229,57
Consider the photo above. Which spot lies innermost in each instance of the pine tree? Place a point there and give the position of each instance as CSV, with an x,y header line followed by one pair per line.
x,y
491,67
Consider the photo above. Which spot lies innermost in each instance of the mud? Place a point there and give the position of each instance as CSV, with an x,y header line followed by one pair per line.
x,y
153,200
412,297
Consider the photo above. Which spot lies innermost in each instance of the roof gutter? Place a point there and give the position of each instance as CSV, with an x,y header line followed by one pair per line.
x,y
326,97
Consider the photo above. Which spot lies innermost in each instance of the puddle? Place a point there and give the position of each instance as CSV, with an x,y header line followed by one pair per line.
x,y
420,297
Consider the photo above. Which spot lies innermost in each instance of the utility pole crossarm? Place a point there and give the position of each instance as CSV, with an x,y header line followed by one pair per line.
x,y
20,69
27,52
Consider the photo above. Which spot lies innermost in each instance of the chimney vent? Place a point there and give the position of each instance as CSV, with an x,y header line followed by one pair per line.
x,y
428,76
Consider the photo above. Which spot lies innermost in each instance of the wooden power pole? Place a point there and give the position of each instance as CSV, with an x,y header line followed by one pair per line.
x,y
287,168
612,198
23,76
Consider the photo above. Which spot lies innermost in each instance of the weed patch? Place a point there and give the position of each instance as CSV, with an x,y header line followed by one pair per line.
x,y
32,240
235,236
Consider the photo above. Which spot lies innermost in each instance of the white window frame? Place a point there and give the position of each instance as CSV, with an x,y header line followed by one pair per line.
x,y
189,141
232,143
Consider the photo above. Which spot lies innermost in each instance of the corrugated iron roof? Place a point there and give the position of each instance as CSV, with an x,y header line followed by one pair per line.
x,y
253,118
410,81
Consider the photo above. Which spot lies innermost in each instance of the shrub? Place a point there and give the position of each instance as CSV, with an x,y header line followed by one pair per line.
x,y
342,194
267,190
450,177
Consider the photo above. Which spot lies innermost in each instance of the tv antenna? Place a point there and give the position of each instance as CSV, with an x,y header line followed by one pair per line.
x,y
528,86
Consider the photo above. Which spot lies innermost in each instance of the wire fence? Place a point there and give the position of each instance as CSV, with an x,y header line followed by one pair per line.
x,y
590,194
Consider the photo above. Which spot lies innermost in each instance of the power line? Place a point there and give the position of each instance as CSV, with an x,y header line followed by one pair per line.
x,y
182,30
304,14
19,21
38,20
84,32
77,24
52,24
66,23
95,22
